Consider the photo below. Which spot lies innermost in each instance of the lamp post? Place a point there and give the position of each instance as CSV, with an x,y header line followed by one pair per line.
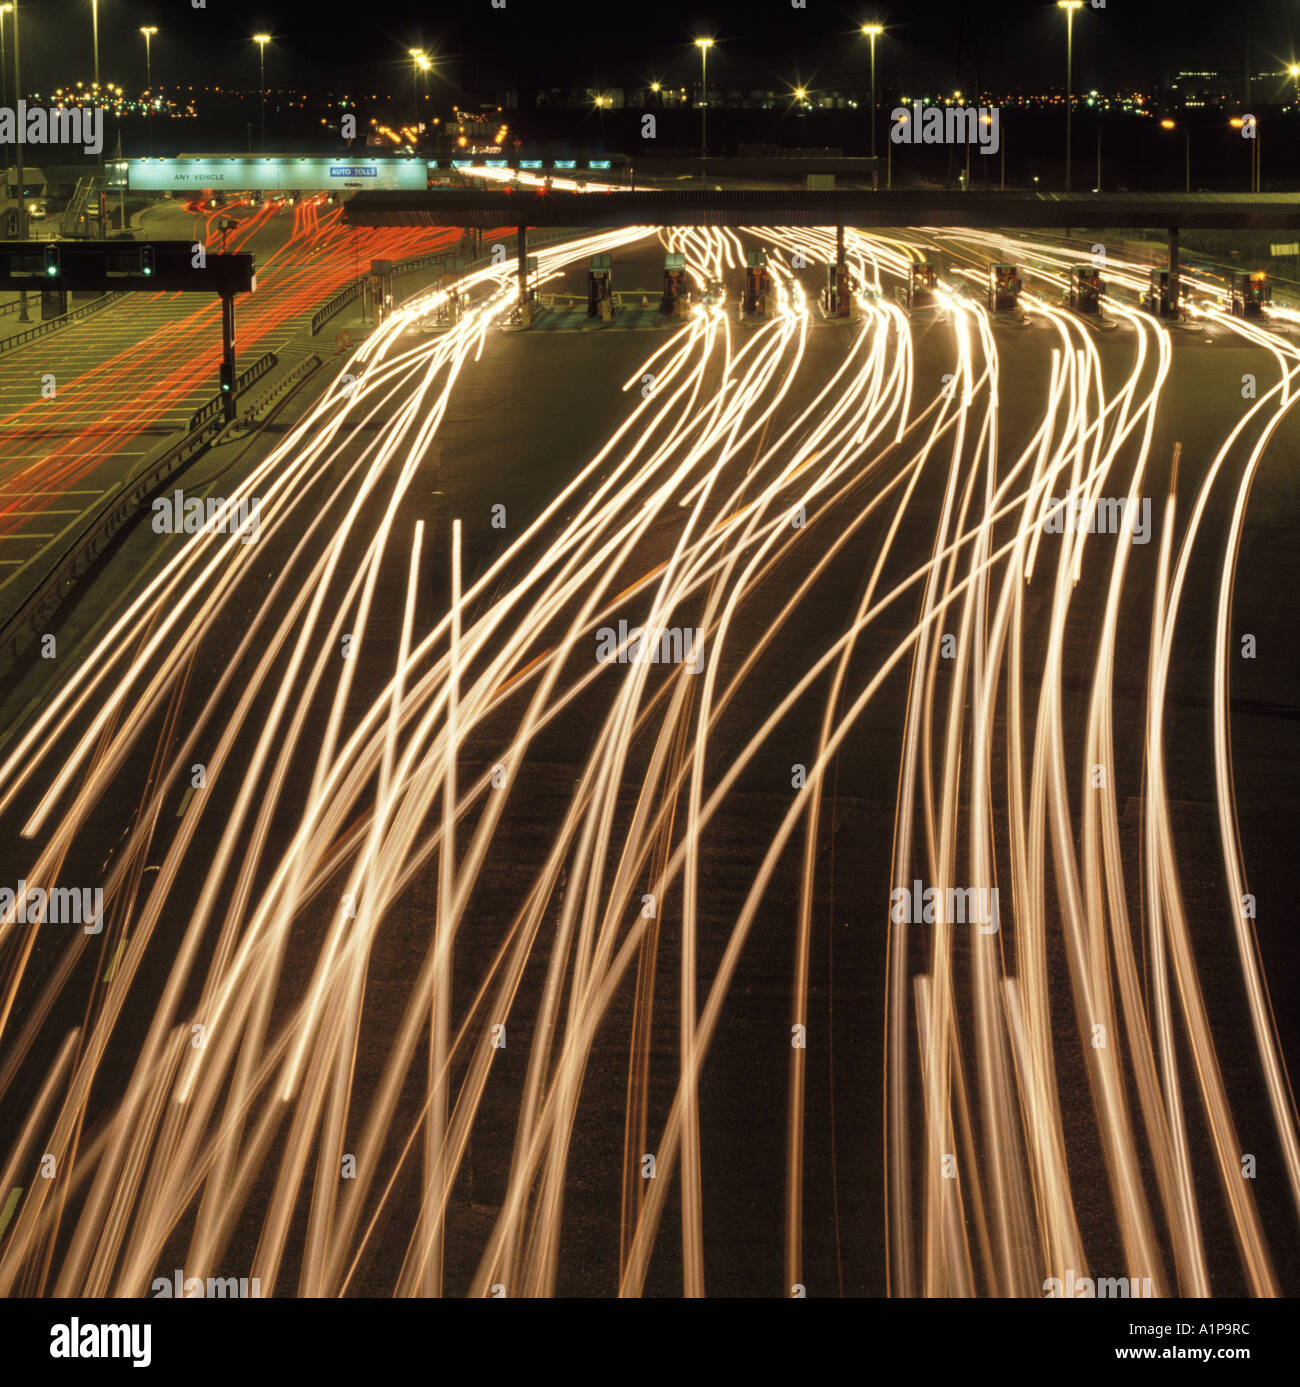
x,y
1069,6
704,45
1187,151
873,32
94,33
148,30
23,316
4,82
261,40
1238,123
889,155
420,59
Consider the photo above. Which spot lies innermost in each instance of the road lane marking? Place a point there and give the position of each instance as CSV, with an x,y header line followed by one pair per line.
x,y
11,1204
117,958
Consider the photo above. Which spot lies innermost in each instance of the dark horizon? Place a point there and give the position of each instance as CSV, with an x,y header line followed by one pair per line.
x,y
528,44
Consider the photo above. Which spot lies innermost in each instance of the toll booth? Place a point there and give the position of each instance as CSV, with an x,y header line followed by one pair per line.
x,y
675,296
1160,298
922,285
1004,289
381,288
527,308
757,283
600,288
1248,293
1086,289
448,309
840,285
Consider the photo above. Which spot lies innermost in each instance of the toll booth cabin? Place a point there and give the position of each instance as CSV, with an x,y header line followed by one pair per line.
x,y
922,285
1160,298
1004,288
1248,293
600,288
1085,289
676,295
757,283
838,294
448,304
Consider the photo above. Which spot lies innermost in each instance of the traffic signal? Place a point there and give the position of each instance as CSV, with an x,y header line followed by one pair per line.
x,y
51,262
146,261
227,377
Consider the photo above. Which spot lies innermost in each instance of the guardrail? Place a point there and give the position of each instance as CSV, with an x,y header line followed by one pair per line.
x,y
20,339
107,520
244,379
273,397
117,509
331,306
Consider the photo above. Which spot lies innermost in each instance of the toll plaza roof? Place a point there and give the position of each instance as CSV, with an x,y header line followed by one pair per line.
x,y
800,207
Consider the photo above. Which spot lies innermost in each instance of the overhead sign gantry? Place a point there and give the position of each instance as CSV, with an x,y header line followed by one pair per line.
x,y
290,173
57,267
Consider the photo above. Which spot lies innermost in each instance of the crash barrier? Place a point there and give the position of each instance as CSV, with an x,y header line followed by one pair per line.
x,y
29,334
245,378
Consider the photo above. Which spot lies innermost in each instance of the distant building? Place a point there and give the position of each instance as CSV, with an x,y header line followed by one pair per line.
x,y
1190,90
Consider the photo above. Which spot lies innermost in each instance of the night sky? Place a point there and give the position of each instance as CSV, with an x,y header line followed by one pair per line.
x,y
560,42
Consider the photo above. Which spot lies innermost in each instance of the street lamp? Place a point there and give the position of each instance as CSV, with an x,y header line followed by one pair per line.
x,y
94,28
889,155
4,80
873,32
1069,6
704,45
1238,123
148,30
1187,151
23,316
261,40
421,62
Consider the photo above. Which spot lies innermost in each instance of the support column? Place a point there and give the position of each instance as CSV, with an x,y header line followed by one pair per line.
x,y
522,239
839,246
1175,290
228,354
